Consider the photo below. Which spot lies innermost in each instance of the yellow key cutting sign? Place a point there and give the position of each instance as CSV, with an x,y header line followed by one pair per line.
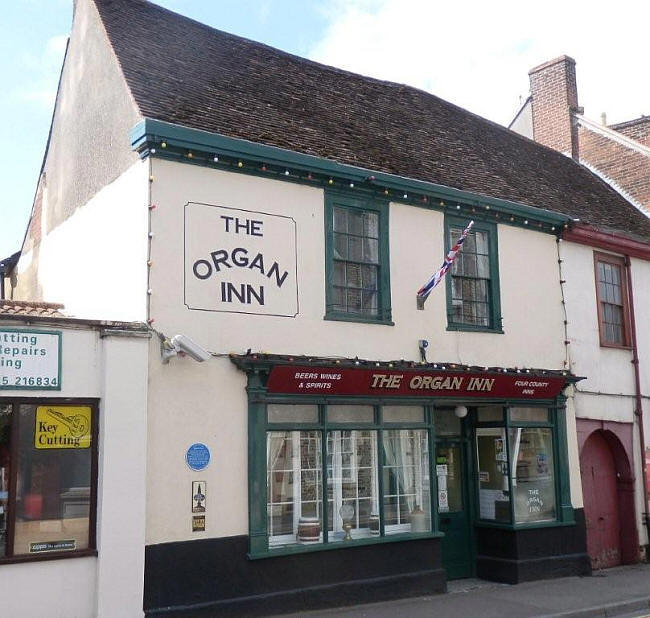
x,y
62,427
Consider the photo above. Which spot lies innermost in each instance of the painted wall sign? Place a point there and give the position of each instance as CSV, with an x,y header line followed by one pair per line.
x,y
240,261
198,456
30,359
62,427
384,382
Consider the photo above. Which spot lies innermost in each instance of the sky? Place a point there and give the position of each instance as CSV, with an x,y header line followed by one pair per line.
x,y
473,53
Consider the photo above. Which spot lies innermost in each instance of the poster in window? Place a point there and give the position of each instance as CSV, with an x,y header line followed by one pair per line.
x,y
62,427
443,501
499,450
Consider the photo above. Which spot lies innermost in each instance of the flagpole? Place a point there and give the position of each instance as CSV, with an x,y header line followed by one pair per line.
x,y
436,278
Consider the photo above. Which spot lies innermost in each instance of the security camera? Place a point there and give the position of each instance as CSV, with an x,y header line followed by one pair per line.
x,y
423,344
180,344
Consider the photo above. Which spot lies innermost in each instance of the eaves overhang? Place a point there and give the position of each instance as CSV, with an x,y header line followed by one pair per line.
x,y
587,235
350,377
251,361
170,141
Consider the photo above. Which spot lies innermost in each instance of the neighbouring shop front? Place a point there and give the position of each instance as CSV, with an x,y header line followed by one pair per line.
x,y
463,471
72,425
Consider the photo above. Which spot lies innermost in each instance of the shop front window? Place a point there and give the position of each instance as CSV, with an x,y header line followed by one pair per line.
x,y
407,502
517,479
47,458
533,474
352,484
377,478
293,484
494,494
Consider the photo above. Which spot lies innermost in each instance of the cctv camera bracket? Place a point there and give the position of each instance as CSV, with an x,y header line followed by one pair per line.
x,y
167,350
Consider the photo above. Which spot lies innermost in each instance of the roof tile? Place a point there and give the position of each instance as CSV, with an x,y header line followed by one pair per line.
x,y
30,308
184,72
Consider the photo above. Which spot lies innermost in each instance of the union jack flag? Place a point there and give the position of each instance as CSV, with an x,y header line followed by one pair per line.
x,y
435,279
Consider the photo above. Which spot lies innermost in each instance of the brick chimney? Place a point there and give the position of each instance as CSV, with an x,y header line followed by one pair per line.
x,y
554,96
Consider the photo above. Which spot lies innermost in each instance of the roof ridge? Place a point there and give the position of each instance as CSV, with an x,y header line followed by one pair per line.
x,y
32,303
616,136
629,123
182,71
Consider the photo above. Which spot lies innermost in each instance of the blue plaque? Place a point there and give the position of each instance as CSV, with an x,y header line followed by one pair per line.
x,y
198,456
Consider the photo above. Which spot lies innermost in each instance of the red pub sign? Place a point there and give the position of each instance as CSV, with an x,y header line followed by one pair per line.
x,y
295,380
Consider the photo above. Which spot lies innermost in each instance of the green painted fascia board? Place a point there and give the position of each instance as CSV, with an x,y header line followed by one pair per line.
x,y
154,131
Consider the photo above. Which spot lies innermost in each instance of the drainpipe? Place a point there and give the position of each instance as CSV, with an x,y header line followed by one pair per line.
x,y
2,280
637,391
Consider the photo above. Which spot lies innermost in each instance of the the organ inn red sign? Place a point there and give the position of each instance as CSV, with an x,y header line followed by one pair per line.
x,y
411,382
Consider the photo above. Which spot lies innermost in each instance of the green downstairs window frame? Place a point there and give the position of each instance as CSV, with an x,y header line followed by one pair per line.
x,y
510,422
337,263
388,528
263,417
453,228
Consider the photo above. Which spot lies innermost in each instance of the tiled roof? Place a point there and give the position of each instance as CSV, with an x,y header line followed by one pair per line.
x,y
30,308
184,72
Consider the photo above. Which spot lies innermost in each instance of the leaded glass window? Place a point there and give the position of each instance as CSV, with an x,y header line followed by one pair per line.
x,y
473,300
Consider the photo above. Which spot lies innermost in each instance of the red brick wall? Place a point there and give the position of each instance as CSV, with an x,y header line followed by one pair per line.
x,y
630,170
638,129
554,95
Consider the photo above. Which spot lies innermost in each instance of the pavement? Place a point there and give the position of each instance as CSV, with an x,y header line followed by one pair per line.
x,y
610,592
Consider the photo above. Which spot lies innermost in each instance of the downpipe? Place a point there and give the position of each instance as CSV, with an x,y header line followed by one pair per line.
x,y
637,393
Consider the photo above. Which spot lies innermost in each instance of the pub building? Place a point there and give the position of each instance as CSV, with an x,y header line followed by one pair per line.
x,y
466,466
276,218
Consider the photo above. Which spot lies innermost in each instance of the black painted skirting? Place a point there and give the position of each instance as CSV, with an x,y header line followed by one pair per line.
x,y
213,577
515,556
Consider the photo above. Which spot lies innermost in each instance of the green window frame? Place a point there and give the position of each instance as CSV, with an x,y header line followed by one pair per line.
x,y
386,527
512,431
357,266
473,292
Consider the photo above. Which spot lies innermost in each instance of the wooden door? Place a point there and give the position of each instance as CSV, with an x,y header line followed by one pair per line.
x,y
600,493
453,513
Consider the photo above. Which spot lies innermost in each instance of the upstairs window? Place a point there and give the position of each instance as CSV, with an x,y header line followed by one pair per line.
x,y
611,294
358,287
473,301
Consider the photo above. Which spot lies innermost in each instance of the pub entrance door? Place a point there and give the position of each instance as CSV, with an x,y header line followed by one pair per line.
x,y
454,518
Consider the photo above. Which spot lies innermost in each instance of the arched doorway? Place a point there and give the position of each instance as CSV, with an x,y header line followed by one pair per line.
x,y
608,492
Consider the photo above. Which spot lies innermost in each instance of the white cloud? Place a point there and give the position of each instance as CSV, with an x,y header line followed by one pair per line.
x,y
478,54
41,72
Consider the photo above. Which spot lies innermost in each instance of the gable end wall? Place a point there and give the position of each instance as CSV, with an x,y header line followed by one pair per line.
x,y
89,146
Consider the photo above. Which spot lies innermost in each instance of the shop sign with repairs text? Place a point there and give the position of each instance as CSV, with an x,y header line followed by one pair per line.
x,y
30,359
416,383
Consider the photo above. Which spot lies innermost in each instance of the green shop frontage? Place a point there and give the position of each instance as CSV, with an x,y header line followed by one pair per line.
x,y
371,480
